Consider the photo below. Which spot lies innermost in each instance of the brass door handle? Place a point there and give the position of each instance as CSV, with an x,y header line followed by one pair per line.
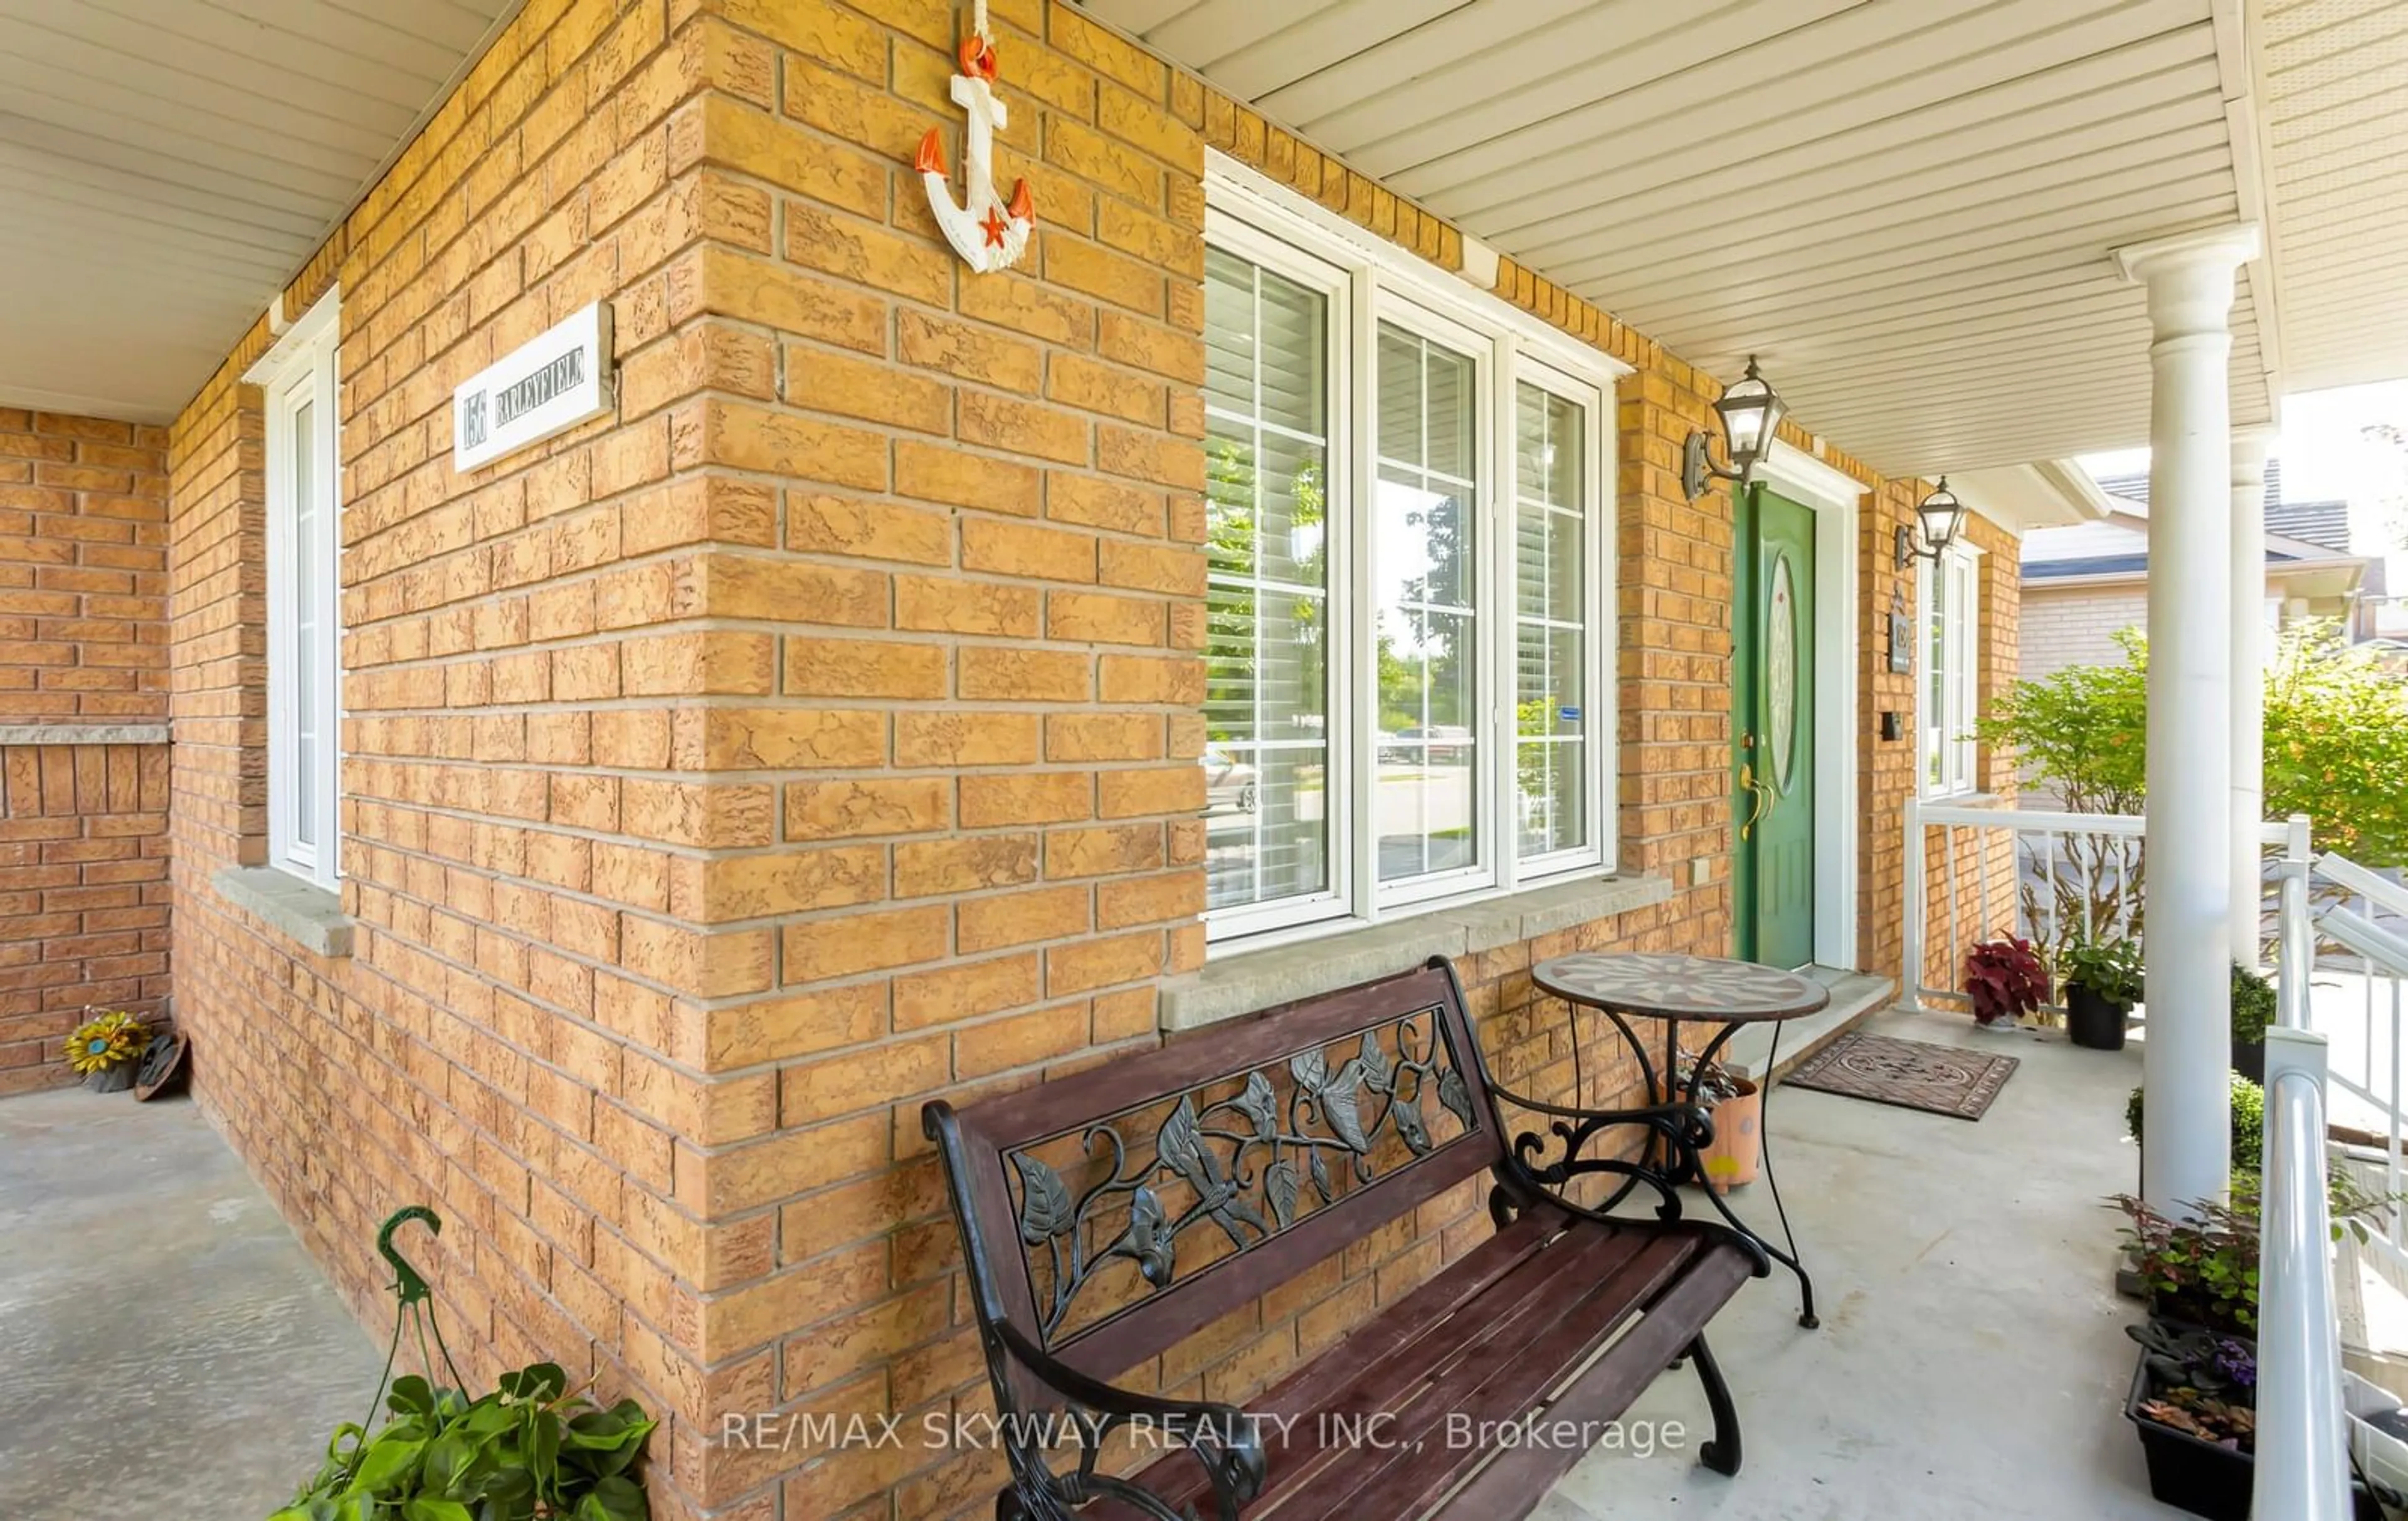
x,y
1761,791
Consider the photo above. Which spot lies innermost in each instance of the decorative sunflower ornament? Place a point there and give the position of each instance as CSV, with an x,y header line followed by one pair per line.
x,y
107,1041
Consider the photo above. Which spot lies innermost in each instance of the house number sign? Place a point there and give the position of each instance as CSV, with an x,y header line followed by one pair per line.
x,y
545,385
1902,633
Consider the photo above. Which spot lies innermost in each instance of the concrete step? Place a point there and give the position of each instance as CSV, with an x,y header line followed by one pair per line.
x,y
1854,996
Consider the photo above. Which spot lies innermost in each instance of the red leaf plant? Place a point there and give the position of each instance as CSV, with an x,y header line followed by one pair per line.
x,y
2004,979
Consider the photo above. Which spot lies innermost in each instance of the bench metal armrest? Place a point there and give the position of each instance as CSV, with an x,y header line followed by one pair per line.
x,y
1223,1438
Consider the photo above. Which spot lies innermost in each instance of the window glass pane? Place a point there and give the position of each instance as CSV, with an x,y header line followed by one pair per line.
x,y
1426,636
306,635
1550,608
1267,667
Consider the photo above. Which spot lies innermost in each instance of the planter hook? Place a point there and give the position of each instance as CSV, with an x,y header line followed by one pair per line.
x,y
408,1282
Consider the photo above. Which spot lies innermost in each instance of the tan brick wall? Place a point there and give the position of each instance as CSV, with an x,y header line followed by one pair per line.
x,y
83,569
814,735
549,883
83,897
83,641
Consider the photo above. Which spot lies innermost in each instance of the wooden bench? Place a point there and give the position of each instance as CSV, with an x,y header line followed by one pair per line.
x,y
1108,1216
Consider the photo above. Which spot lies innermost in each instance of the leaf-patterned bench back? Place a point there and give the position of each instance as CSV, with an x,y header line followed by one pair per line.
x,y
1127,1206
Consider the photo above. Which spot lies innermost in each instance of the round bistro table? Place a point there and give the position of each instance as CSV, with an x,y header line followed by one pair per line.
x,y
1707,989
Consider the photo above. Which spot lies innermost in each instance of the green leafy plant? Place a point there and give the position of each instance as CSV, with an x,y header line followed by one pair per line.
x,y
2205,1268
2253,1005
2248,1120
2109,968
528,1450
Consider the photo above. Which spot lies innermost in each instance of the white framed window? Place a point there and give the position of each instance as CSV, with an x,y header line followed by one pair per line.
x,y
304,549
1408,488
1951,688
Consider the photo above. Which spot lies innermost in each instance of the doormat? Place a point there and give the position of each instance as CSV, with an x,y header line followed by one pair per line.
x,y
1909,1074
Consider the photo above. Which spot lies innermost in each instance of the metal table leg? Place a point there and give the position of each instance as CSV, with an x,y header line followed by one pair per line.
x,y
1806,1315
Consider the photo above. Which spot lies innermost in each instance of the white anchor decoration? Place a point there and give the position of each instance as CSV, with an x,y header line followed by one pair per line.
x,y
988,232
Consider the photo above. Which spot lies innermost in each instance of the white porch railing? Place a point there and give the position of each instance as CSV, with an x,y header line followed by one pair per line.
x,y
2355,911
2033,872
2303,1452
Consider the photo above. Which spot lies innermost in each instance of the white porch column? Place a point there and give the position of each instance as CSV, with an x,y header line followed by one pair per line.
x,y
2187,1142
2249,448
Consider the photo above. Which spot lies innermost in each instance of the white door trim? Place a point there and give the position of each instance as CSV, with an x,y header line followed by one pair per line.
x,y
1833,497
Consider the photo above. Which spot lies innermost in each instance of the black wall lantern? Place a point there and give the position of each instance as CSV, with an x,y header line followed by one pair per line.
x,y
1941,517
1750,412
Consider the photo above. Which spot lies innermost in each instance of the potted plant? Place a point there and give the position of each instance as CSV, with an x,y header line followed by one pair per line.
x,y
2194,1403
526,1450
2202,1269
2102,982
1735,1106
529,1449
2253,1009
2004,979
105,1048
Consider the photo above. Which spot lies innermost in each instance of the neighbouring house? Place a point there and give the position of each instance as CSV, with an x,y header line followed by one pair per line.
x,y
899,680
2085,583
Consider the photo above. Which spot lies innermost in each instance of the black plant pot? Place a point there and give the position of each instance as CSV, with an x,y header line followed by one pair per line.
x,y
2250,1061
2092,1021
115,1079
2203,1477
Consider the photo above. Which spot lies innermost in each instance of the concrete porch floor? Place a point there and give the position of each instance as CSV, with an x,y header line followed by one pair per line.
x,y
1971,1364
171,1351
168,1348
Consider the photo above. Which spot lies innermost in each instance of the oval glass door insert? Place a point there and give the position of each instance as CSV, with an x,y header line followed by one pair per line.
x,y
1780,673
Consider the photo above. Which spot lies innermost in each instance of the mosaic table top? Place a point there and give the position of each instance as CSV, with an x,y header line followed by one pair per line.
x,y
1680,987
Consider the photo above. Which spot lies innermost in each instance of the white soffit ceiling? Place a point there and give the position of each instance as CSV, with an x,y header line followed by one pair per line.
x,y
2333,83
167,166
1906,206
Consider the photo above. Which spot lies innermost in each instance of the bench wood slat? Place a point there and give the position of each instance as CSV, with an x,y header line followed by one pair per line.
x,y
1530,1349
1367,1348
1426,1359
1663,1334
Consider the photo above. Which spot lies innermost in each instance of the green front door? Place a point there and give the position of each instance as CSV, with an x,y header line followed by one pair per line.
x,y
1772,729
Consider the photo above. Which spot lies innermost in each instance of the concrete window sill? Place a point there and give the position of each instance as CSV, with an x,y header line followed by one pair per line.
x,y
302,912
1245,981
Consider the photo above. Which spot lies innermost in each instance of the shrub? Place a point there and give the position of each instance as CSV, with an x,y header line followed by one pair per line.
x,y
2248,1120
2253,1005
2333,718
